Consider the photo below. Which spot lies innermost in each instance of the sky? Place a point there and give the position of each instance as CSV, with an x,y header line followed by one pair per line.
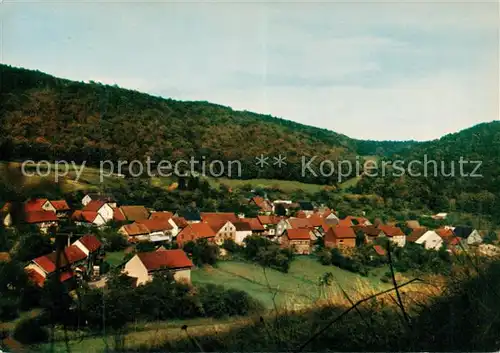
x,y
370,70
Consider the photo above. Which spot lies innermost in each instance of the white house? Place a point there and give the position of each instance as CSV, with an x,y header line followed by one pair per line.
x,y
394,234
98,197
143,265
102,208
243,230
88,218
430,240
471,235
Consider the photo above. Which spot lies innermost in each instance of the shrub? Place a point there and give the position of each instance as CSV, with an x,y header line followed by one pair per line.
x,y
30,331
219,302
231,246
325,256
9,308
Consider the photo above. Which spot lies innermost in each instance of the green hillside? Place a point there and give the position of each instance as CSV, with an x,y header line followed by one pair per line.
x,y
473,188
44,117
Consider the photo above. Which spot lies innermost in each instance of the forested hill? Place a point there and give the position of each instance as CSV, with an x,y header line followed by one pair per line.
x,y
480,143
51,118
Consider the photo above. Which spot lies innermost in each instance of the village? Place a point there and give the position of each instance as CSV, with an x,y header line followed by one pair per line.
x,y
300,227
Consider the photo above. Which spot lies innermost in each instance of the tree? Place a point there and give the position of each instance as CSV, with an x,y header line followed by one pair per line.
x,y
491,237
32,244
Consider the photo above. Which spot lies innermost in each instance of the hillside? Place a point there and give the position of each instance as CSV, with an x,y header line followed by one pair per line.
x,y
44,117
451,189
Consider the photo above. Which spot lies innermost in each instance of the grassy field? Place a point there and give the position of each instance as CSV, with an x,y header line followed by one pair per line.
x,y
89,179
284,185
115,258
295,289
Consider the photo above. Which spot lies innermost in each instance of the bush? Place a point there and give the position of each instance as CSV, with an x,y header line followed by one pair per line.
x,y
325,257
219,302
9,308
231,246
30,331
202,252
267,253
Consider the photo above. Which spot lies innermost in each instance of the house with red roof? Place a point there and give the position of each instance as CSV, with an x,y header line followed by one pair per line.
x,y
160,229
106,198
293,223
118,216
243,230
270,224
180,222
395,234
88,218
265,206
227,216
298,239
358,220
44,266
195,231
42,219
135,232
93,249
144,265
102,208
62,208
223,228
370,232
255,225
37,205
340,236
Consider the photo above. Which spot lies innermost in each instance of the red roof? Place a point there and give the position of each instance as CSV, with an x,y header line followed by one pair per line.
x,y
269,219
345,222
301,214
254,223
391,231
118,215
90,242
135,213
136,229
298,234
171,259
60,205
379,250
45,263
262,203
445,233
161,215
197,230
226,216
156,225
416,234
34,205
35,277
357,220
74,254
40,217
340,232
369,230
300,223
242,226
180,222
84,216
216,224
64,276
94,206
